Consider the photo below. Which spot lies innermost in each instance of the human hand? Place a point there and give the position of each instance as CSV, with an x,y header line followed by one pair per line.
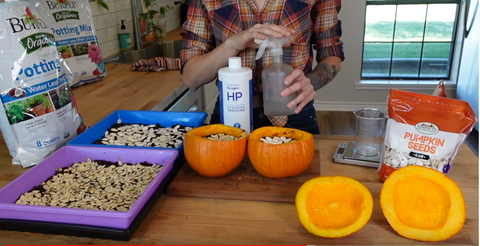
x,y
298,83
245,39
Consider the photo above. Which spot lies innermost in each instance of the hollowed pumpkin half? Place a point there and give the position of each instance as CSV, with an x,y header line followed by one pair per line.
x,y
213,158
280,160
333,206
422,204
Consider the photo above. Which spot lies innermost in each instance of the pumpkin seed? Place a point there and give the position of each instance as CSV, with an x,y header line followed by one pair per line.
x,y
144,135
90,185
221,137
397,160
277,140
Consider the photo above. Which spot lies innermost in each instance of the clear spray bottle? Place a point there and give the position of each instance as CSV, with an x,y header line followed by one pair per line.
x,y
273,78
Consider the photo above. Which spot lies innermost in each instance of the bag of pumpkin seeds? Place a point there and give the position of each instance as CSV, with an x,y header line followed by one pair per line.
x,y
38,114
424,130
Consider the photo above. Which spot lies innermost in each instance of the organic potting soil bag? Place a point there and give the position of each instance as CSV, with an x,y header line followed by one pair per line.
x,y
71,22
38,113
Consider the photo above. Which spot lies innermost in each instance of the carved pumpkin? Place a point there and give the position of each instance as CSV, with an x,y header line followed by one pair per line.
x,y
213,158
422,204
280,160
333,206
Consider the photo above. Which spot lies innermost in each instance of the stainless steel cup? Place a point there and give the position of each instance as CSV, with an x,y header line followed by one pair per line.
x,y
369,129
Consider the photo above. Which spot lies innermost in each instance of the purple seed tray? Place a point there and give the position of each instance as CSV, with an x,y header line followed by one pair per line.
x,y
65,157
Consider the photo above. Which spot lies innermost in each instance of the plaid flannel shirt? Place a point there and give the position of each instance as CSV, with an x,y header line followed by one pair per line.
x,y
212,22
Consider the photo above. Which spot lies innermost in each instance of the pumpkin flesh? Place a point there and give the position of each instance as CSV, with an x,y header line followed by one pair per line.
x,y
333,206
280,160
422,204
213,158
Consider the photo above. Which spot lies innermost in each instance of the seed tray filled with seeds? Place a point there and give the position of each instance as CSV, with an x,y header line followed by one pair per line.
x,y
141,129
91,186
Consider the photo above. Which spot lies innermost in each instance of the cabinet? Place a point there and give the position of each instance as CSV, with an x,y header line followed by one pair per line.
x,y
209,98
189,101
183,100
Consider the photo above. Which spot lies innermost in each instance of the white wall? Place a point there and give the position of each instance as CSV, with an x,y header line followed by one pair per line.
x,y
342,94
107,22
468,80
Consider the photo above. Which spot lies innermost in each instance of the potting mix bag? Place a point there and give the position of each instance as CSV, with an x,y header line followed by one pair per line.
x,y
424,130
71,22
38,113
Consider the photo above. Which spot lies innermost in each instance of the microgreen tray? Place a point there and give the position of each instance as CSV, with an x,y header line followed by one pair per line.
x,y
65,157
163,118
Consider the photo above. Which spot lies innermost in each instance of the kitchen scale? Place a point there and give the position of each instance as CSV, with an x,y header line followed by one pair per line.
x,y
346,154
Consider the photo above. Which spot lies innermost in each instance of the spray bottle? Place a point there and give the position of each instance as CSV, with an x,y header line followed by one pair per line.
x,y
235,83
273,77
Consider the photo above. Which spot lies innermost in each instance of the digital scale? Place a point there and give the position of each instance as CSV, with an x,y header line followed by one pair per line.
x,y
346,154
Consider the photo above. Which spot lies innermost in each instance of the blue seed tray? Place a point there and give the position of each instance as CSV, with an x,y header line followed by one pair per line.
x,y
164,118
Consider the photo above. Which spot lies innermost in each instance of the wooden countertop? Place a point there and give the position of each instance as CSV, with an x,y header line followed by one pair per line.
x,y
126,89
183,220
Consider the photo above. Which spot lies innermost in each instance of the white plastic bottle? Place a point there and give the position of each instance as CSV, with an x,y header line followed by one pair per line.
x,y
273,78
235,83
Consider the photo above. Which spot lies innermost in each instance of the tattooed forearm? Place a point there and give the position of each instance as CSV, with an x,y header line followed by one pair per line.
x,y
322,75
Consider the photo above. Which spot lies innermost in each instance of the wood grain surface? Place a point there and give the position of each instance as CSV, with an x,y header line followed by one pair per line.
x,y
124,89
243,183
190,220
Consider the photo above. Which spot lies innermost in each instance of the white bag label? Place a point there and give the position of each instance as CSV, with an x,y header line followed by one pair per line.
x,y
71,22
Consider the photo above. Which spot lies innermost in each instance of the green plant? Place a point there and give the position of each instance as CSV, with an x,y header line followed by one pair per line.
x,y
101,3
64,98
158,26
162,11
38,99
15,112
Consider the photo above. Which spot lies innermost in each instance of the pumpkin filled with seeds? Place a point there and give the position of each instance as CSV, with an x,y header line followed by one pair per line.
x,y
215,150
280,152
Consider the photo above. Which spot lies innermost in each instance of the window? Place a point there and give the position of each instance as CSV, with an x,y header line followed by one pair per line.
x,y
409,40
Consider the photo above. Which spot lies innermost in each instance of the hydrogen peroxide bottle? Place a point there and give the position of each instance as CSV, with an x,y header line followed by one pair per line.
x,y
273,77
235,83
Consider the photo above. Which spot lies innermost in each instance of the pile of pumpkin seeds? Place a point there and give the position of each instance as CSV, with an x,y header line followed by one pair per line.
x,y
221,137
142,135
277,140
96,185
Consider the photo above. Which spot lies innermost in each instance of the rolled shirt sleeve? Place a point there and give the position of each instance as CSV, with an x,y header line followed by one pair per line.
x,y
327,29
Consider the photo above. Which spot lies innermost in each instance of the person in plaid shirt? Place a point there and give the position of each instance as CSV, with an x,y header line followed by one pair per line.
x,y
219,29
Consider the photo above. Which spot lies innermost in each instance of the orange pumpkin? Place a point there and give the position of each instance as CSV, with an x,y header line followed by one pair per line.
x,y
422,204
280,160
333,206
213,158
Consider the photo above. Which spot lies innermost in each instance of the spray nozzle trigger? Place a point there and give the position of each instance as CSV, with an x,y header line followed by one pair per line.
x,y
271,43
